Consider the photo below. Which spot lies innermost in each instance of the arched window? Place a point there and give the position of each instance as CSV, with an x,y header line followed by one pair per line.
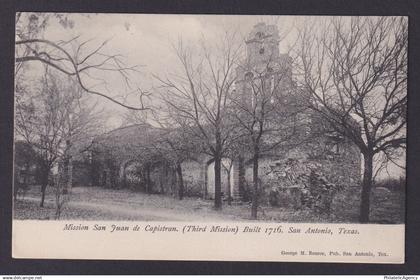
x,y
249,76
259,35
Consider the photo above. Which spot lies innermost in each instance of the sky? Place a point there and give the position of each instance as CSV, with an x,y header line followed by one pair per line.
x,y
146,40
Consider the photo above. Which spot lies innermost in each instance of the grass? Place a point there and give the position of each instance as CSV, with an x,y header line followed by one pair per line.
x,y
94,203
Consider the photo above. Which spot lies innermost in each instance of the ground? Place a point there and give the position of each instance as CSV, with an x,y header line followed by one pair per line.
x,y
94,203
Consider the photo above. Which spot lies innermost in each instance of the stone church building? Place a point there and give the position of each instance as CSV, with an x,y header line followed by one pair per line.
x,y
283,168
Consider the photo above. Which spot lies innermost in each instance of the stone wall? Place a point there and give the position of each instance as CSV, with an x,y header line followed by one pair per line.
x,y
193,175
334,163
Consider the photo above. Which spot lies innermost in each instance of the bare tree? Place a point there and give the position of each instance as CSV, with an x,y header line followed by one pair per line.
x,y
52,119
80,60
176,148
267,110
198,96
355,72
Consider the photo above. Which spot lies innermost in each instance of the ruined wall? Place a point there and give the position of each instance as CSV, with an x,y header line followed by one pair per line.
x,y
264,171
339,161
163,180
334,162
193,175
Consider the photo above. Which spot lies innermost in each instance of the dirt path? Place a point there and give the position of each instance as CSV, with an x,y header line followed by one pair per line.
x,y
146,213
142,212
95,203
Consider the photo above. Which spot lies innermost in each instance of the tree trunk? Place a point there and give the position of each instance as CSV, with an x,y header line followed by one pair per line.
x,y
180,181
255,193
241,181
113,173
217,183
70,175
206,181
65,174
25,177
148,187
44,183
163,180
366,188
59,192
228,191
174,184
124,176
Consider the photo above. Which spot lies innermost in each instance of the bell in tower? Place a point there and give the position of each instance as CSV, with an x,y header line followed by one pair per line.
x,y
262,44
263,62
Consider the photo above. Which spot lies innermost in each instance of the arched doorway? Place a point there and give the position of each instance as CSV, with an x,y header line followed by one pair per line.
x,y
226,178
129,175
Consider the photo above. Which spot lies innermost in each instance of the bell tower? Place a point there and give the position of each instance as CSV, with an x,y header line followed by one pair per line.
x,y
262,44
263,57
265,65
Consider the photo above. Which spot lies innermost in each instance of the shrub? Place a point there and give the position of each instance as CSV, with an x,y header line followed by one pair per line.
x,y
392,184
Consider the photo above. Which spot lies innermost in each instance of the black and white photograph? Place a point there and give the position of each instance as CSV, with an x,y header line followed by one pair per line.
x,y
208,118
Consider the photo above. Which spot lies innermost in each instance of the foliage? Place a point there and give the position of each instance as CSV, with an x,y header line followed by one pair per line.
x,y
24,154
25,159
392,184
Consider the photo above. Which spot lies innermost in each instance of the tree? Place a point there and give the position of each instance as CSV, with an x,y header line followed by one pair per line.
x,y
176,148
198,97
25,158
355,72
174,143
52,119
267,111
227,166
79,60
